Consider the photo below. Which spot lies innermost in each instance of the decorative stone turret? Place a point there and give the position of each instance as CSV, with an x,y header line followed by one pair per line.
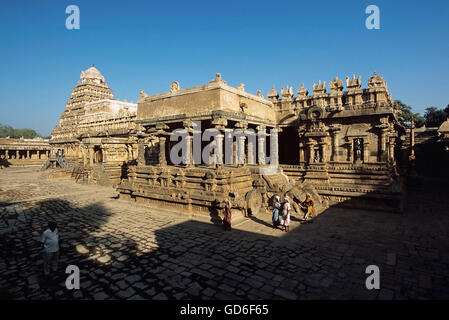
x,y
319,88
302,92
287,93
336,85
353,84
376,81
273,95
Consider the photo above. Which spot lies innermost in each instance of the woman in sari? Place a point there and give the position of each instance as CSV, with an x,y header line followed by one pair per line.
x,y
227,215
309,206
276,207
286,214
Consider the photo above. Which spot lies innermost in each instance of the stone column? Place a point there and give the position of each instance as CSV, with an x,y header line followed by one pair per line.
x,y
241,150
17,154
85,156
219,156
189,152
310,143
351,150
104,152
323,150
391,149
28,155
334,136
274,147
251,147
6,154
162,158
261,139
365,150
383,143
140,152
91,156
301,152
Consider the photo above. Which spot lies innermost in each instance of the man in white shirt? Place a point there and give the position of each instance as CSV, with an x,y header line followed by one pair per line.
x,y
50,240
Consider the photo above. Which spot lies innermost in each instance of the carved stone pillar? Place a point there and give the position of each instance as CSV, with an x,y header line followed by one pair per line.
x,y
261,138
189,152
140,152
104,153
274,147
219,156
365,150
162,158
28,155
7,154
17,154
323,152
350,151
383,144
334,136
391,146
241,150
301,152
251,148
310,146
85,156
91,156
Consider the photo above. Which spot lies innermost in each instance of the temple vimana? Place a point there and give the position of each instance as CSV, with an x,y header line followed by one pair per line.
x,y
341,145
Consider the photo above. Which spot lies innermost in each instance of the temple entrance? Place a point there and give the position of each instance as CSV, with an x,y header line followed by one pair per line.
x,y
289,146
98,155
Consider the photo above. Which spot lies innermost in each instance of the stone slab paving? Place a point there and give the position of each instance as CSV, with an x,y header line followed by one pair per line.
x,y
130,251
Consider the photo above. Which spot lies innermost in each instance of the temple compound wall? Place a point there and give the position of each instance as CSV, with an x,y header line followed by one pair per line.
x,y
23,152
341,147
94,132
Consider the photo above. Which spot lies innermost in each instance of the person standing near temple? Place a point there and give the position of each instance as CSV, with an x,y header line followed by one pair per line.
x,y
309,207
276,208
227,215
286,208
50,241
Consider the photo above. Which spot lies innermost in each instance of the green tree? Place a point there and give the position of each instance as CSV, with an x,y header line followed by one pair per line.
x,y
407,114
446,110
434,117
8,131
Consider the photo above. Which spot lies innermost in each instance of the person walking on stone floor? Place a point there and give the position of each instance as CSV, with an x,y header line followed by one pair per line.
x,y
50,241
286,208
276,208
309,208
227,215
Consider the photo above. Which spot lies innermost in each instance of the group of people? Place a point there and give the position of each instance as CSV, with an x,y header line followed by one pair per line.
x,y
281,212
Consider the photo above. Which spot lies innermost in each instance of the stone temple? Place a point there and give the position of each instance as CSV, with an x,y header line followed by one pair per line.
x,y
343,146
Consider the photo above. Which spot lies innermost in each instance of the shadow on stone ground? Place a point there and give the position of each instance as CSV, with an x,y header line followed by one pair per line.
x,y
196,260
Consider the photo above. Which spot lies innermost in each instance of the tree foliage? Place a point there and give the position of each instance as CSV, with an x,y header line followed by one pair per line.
x,y
407,114
435,117
8,131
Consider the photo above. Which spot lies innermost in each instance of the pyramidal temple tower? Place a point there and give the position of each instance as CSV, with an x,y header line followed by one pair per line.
x,y
92,87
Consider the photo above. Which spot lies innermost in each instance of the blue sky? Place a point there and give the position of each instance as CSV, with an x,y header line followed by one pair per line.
x,y
148,44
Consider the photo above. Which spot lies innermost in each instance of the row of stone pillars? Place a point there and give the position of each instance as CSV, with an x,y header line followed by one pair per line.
x,y
240,157
15,154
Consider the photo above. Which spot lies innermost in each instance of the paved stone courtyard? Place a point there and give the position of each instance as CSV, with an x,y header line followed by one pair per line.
x,y
130,251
